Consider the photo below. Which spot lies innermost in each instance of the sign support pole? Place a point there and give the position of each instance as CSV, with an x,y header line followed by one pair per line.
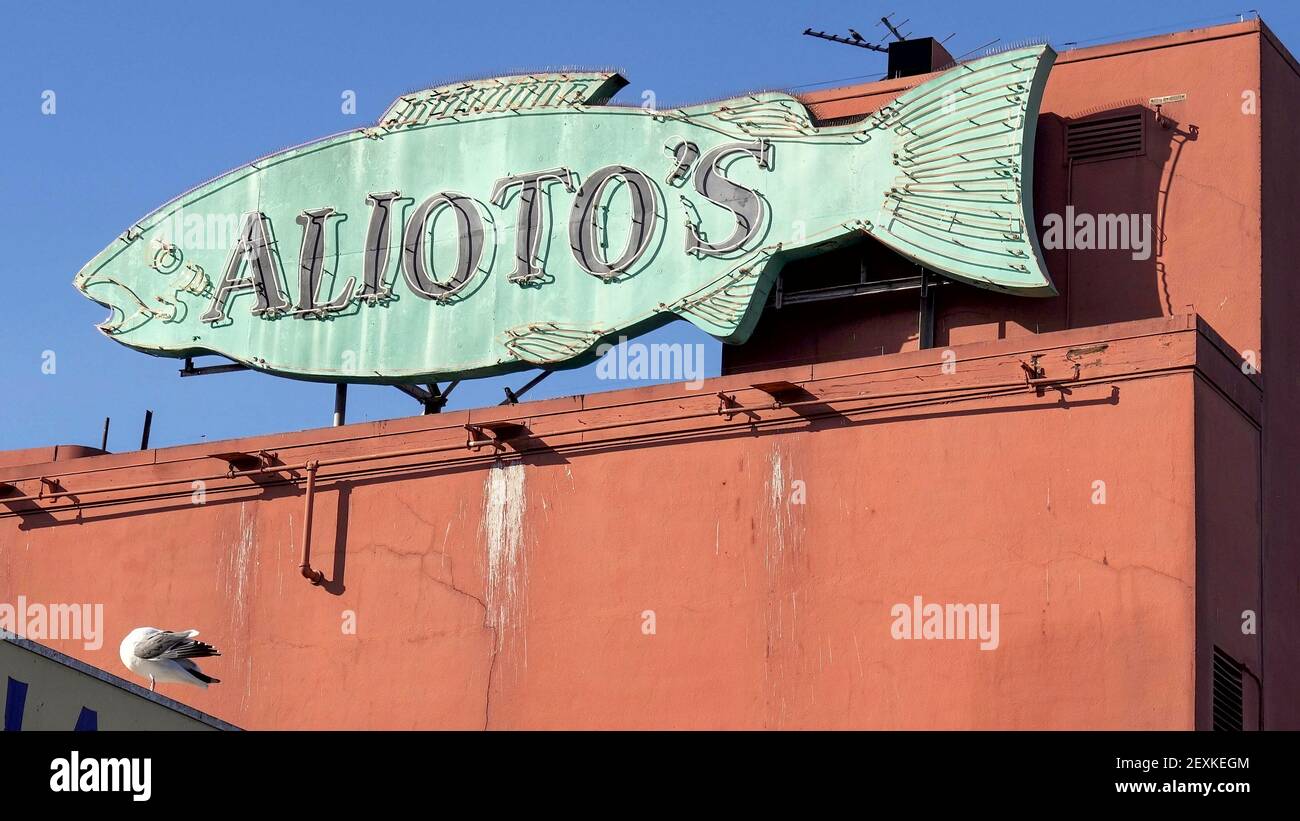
x,y
925,330
340,403
144,434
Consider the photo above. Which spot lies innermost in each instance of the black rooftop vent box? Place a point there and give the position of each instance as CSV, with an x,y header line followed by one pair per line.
x,y
923,55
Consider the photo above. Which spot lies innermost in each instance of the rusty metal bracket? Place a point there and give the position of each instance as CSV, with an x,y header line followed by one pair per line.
x,y
240,460
1051,380
729,407
496,434
783,391
1032,369
1042,381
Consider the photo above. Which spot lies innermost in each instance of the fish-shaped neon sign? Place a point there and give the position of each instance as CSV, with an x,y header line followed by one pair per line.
x,y
517,222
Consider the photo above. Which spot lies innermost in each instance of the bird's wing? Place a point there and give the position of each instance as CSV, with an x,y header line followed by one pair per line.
x,y
167,645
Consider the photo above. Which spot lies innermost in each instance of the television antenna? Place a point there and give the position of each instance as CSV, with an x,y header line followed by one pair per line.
x,y
854,39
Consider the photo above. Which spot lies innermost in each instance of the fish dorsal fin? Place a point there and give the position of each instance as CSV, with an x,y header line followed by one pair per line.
x,y
773,114
496,95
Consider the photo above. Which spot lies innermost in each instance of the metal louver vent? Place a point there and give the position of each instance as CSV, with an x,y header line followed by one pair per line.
x,y
1105,138
1227,698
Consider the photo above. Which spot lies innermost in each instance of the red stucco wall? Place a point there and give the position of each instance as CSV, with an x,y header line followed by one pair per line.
x,y
514,594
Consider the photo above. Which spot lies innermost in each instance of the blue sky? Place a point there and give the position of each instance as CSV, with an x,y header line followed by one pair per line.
x,y
153,98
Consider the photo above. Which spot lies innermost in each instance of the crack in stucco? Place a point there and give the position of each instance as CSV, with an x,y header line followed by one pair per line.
x,y
450,584
1123,568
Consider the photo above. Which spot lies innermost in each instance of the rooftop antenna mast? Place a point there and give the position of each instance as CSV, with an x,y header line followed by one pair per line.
x,y
908,56
893,29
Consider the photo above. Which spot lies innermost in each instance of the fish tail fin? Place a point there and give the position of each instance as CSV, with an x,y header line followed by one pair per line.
x,y
961,201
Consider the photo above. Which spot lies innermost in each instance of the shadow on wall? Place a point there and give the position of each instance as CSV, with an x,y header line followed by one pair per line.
x,y
339,539
1107,172
1102,184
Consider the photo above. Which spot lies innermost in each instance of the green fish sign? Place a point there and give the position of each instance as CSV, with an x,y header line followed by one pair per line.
x,y
520,221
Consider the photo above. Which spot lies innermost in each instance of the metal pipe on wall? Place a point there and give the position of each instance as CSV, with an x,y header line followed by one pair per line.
x,y
309,503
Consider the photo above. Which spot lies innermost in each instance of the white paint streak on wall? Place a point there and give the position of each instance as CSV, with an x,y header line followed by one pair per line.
x,y
504,503
241,560
779,510
780,535
442,554
238,582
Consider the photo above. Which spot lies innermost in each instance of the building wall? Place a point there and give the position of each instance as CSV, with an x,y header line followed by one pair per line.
x,y
1229,536
1214,180
516,591
1198,180
1279,364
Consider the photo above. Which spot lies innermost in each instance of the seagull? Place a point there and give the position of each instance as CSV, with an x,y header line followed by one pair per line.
x,y
166,656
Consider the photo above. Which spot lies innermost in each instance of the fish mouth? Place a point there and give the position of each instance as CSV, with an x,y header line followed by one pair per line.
x,y
94,289
98,290
127,307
